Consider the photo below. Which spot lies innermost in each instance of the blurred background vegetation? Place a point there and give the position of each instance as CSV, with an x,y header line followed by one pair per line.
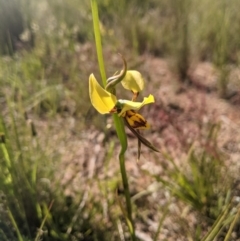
x,y
47,53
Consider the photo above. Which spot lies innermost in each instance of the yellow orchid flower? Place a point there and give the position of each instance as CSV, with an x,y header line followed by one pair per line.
x,y
105,102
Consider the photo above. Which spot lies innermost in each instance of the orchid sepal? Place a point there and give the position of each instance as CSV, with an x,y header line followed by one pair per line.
x,y
102,100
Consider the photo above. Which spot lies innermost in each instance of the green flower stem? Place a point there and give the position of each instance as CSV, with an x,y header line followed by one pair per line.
x,y
98,41
119,125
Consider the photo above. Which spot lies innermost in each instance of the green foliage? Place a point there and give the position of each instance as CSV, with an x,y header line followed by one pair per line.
x,y
19,169
183,30
227,219
202,185
205,184
28,186
73,18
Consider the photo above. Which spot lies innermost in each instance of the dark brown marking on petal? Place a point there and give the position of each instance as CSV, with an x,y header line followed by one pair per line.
x,y
130,113
140,123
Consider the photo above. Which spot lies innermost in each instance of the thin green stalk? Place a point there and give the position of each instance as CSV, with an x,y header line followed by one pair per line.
x,y
15,172
98,41
123,140
165,212
5,154
228,235
43,222
119,125
217,225
8,162
15,225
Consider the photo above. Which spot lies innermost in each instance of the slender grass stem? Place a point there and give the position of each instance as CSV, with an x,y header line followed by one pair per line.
x,y
43,222
15,225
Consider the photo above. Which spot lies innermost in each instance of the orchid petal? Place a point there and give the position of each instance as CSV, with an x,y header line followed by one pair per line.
x,y
102,100
131,105
133,81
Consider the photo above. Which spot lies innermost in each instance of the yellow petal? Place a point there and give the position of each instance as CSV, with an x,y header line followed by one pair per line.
x,y
133,81
131,105
102,100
